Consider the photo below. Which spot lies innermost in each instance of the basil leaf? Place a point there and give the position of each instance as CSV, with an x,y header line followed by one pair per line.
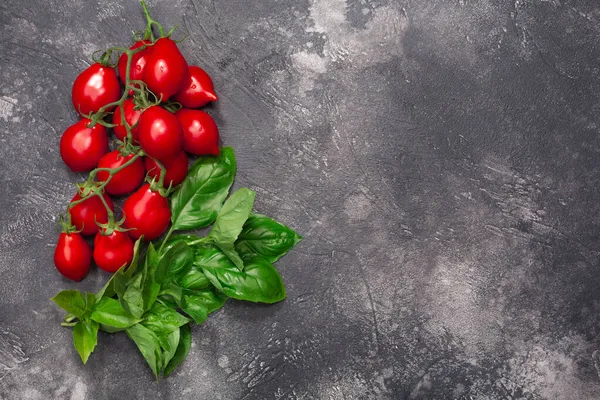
x,y
133,300
259,282
85,338
135,261
172,343
177,260
72,301
172,241
183,349
232,216
198,304
163,320
151,262
148,344
111,313
197,201
232,254
265,237
171,293
194,279
110,329
90,300
150,293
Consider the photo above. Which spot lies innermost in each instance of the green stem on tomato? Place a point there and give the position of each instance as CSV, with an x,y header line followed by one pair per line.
x,y
148,34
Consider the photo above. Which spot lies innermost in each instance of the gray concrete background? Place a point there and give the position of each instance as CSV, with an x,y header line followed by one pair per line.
x,y
440,158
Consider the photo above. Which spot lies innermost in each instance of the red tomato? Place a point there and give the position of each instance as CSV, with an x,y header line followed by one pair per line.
x,y
94,88
146,213
112,251
177,168
81,147
72,256
126,180
138,61
131,116
160,133
200,132
166,71
198,91
85,214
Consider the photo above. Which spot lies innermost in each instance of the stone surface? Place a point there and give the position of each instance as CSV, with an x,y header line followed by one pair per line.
x,y
439,157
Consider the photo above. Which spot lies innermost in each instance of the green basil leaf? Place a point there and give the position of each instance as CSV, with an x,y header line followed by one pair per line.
x,y
172,241
133,265
133,300
194,279
171,293
150,293
171,346
197,201
111,313
258,282
265,237
232,216
199,303
151,262
163,320
229,250
85,338
71,301
149,345
90,300
178,260
110,329
183,349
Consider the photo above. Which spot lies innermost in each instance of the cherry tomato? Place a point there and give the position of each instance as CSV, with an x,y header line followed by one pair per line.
x,y
177,168
166,71
200,132
160,133
146,213
94,88
198,91
112,251
131,116
85,214
81,147
138,61
72,256
126,180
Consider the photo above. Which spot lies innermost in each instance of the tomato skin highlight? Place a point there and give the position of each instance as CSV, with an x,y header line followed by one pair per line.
x,y
160,133
112,251
200,132
146,213
85,214
166,71
138,62
177,168
198,91
72,256
131,116
94,88
126,180
81,147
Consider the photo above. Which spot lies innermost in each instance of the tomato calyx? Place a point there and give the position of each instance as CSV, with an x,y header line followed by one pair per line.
x,y
158,185
172,106
112,226
66,226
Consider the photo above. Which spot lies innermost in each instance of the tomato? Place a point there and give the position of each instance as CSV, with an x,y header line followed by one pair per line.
x,y
85,214
160,133
94,88
166,71
112,251
81,147
138,61
72,256
177,168
200,132
126,180
146,213
198,91
131,116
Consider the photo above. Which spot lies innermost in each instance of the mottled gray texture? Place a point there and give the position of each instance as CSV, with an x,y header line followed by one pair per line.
x,y
440,158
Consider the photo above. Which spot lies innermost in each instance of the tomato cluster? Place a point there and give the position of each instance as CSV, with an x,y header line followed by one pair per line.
x,y
153,112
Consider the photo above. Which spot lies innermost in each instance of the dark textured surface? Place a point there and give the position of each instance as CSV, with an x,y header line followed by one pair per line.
x,y
440,158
